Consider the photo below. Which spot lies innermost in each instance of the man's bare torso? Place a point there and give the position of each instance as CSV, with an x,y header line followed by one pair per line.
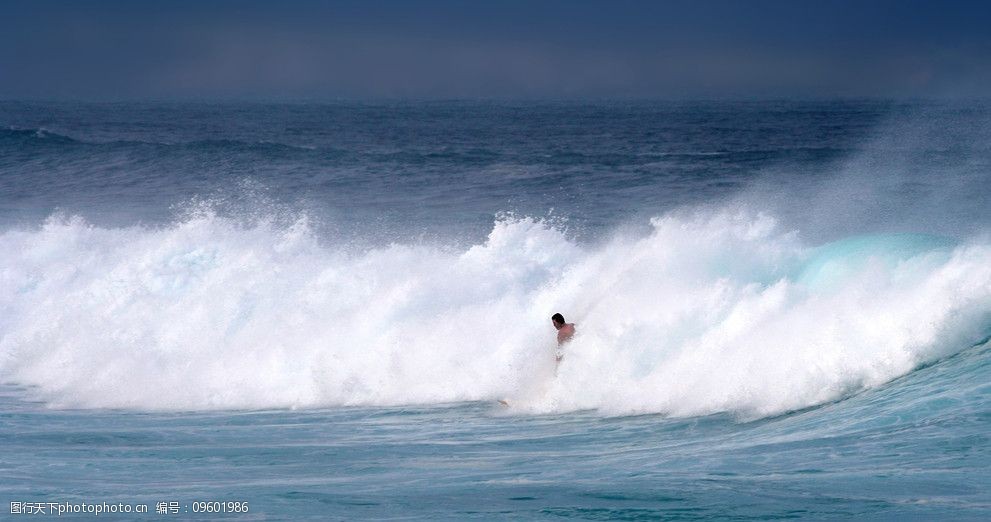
x,y
565,333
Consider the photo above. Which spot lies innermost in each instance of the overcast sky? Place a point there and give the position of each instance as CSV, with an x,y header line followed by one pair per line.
x,y
499,49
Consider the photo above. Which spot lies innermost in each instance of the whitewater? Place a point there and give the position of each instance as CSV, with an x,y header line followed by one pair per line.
x,y
702,314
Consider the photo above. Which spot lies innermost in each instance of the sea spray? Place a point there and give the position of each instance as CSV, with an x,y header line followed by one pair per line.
x,y
707,311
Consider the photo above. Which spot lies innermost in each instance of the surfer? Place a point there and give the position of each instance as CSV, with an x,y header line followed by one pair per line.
x,y
564,333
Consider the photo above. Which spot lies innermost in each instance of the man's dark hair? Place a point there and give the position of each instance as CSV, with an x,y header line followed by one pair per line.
x,y
558,318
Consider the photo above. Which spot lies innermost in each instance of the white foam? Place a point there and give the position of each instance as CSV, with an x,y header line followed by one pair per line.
x,y
702,314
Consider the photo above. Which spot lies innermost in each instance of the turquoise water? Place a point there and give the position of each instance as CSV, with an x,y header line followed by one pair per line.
x,y
782,309
914,449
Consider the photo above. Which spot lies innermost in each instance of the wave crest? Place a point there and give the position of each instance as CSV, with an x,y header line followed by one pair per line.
x,y
706,312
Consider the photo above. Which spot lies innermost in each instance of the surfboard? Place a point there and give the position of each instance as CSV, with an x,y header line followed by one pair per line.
x,y
504,402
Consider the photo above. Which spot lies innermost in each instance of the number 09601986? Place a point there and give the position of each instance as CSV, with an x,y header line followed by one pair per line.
x,y
216,506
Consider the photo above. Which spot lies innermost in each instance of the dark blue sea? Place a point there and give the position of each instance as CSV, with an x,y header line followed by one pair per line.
x,y
310,311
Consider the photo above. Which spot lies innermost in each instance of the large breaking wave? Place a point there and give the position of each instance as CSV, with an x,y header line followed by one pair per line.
x,y
706,311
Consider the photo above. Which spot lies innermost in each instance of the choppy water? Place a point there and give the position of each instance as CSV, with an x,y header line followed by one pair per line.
x,y
783,308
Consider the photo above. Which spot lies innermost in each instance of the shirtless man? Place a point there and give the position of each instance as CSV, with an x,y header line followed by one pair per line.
x,y
564,333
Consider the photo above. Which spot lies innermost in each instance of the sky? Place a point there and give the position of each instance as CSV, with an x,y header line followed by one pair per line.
x,y
434,49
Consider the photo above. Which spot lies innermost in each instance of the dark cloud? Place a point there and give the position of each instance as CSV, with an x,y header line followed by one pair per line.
x,y
437,49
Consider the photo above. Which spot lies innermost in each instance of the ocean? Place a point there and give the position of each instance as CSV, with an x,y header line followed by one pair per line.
x,y
309,310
